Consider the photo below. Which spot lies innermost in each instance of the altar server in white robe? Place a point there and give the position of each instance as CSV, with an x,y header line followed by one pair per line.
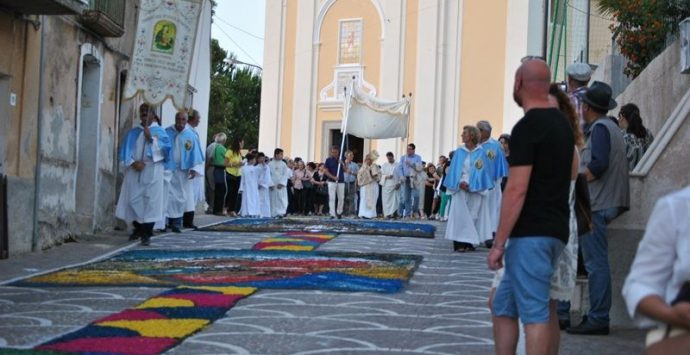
x,y
468,181
198,185
185,155
280,174
499,170
265,184
368,181
390,186
249,187
143,153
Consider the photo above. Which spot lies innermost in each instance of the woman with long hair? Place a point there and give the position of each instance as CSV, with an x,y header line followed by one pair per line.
x,y
233,176
636,136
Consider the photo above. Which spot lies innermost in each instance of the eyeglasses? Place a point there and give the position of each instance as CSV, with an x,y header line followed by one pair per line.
x,y
531,57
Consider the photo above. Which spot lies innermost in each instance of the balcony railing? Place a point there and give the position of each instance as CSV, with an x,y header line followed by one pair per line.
x,y
45,7
105,17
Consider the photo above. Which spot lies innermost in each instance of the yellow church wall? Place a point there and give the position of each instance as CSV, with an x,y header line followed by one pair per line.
x,y
409,80
328,54
483,64
289,75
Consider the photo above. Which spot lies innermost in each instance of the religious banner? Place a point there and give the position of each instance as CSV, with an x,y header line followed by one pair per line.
x,y
163,49
368,117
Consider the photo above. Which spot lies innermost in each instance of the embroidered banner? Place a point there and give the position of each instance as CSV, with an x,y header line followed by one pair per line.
x,y
163,49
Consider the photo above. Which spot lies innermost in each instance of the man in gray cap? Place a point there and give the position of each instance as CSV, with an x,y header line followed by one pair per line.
x,y
579,75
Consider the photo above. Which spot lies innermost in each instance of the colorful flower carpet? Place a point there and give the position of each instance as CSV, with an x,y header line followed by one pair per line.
x,y
207,283
154,326
341,226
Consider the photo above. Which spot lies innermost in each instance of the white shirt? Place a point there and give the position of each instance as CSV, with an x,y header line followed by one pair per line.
x,y
662,263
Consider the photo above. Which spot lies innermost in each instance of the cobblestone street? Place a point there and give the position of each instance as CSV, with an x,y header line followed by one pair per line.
x,y
441,311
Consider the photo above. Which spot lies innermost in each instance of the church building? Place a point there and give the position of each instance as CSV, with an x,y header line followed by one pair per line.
x,y
456,57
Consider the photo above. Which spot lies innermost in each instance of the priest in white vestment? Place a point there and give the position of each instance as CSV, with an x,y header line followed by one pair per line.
x,y
499,170
143,153
367,180
198,185
390,186
280,174
468,180
185,156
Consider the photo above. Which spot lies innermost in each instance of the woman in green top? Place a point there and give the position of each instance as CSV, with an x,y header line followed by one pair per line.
x,y
233,176
218,162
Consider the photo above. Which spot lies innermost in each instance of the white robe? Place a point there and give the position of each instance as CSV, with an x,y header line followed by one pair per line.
x,y
280,174
368,193
493,204
265,183
141,197
388,192
468,217
181,190
249,187
198,185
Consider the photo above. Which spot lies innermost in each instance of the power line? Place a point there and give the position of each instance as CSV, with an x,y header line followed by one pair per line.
x,y
239,29
236,44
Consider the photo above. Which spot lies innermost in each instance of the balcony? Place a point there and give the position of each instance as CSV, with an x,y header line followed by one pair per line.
x,y
45,7
105,17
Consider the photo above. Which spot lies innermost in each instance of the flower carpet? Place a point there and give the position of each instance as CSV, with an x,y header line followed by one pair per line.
x,y
341,226
204,284
153,326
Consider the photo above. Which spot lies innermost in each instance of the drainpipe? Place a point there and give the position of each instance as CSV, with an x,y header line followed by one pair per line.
x,y
39,131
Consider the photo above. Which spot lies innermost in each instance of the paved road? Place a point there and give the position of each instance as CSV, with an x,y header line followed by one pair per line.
x,y
442,310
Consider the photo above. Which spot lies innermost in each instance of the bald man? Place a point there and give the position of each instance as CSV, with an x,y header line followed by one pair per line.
x,y
534,215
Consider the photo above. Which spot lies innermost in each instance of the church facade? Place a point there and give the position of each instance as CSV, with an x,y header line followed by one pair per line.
x,y
456,57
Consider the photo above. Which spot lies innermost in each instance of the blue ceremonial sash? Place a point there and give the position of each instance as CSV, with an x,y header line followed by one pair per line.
x,y
480,170
188,144
128,155
497,158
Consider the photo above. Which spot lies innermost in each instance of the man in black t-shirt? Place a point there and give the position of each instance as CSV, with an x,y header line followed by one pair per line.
x,y
534,213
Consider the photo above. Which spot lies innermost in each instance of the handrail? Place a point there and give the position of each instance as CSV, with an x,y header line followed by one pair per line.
x,y
669,129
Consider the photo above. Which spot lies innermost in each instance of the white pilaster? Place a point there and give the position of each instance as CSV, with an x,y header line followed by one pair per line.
x,y
304,92
428,73
272,75
447,132
392,63
517,46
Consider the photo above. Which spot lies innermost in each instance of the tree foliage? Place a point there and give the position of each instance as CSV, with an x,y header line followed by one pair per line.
x,y
643,27
235,99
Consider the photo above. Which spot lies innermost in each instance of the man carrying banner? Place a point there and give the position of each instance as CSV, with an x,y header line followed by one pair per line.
x,y
143,153
185,156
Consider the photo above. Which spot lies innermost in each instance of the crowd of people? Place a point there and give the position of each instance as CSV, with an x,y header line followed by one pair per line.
x,y
537,197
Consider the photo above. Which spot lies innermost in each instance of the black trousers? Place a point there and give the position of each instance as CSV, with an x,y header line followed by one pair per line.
x,y
219,190
232,199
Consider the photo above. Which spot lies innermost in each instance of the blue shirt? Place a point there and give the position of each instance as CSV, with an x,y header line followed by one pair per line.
x,y
352,175
331,165
413,160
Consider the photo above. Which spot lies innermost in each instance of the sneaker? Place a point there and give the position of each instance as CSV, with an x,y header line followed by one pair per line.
x,y
176,230
564,324
587,328
191,226
146,241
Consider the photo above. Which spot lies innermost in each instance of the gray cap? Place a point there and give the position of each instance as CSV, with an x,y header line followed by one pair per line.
x,y
579,71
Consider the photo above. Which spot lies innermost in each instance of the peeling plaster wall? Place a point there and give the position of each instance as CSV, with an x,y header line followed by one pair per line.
x,y
60,143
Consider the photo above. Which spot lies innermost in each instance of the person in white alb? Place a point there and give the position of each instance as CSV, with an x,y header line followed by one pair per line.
x,y
390,182
660,275
198,181
184,158
143,153
280,174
